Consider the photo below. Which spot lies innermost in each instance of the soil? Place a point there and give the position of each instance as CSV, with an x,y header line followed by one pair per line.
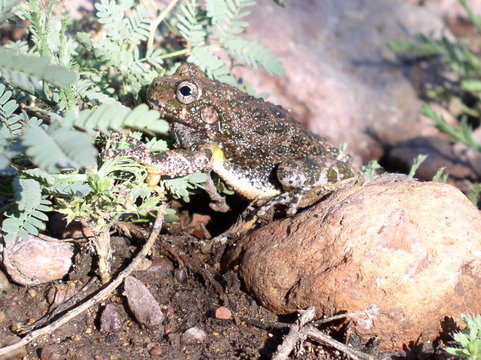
x,y
186,299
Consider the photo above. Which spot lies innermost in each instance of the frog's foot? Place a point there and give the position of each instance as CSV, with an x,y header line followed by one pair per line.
x,y
298,199
218,202
288,200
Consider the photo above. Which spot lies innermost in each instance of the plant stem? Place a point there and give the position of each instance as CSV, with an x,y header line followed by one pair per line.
x,y
155,24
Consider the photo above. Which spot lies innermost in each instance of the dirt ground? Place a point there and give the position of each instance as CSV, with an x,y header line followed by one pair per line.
x,y
186,299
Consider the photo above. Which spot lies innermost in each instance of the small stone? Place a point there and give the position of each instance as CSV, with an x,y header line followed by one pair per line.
x,y
223,313
194,335
76,337
5,285
3,317
111,338
142,303
110,320
161,265
181,276
32,292
156,351
59,293
50,353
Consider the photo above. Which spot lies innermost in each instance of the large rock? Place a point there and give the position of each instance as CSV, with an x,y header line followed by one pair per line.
x,y
341,78
411,251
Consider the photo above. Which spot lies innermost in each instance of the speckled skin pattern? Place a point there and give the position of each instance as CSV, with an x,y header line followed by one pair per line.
x,y
246,139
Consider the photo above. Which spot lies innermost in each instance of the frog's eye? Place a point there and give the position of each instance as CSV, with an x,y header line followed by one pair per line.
x,y
187,92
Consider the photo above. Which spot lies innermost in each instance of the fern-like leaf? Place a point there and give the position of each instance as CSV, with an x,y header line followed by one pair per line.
x,y
212,65
10,123
226,15
60,148
110,14
6,9
117,117
22,223
138,25
35,66
190,24
254,54
28,194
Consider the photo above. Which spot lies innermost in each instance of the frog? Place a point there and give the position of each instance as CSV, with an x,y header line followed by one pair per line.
x,y
256,147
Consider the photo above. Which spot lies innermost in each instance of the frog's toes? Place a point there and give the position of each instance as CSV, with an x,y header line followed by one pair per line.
x,y
220,206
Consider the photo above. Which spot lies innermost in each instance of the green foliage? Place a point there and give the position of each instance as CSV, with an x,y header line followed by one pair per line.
x,y
440,176
462,133
370,170
219,29
116,190
67,81
25,71
469,339
7,9
460,87
179,187
416,164
27,214
473,195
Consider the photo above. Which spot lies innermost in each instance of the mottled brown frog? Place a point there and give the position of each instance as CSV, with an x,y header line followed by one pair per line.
x,y
256,147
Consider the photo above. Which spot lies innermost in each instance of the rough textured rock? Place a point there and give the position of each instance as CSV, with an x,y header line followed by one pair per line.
x,y
194,335
142,303
341,78
110,321
409,250
37,261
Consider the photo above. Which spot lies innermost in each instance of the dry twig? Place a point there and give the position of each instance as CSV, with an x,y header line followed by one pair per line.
x,y
297,334
100,296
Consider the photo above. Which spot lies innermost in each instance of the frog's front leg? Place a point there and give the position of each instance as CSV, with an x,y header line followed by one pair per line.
x,y
168,163
175,163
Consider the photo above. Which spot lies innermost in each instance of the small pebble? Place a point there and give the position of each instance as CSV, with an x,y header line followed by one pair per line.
x,y
5,285
194,335
50,353
223,313
181,276
156,351
76,337
161,265
3,317
32,292
111,338
110,320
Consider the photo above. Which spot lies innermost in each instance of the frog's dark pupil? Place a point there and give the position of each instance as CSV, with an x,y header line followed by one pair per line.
x,y
185,90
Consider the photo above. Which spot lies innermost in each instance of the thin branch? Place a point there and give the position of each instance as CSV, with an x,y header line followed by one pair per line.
x,y
318,335
155,24
101,295
297,333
